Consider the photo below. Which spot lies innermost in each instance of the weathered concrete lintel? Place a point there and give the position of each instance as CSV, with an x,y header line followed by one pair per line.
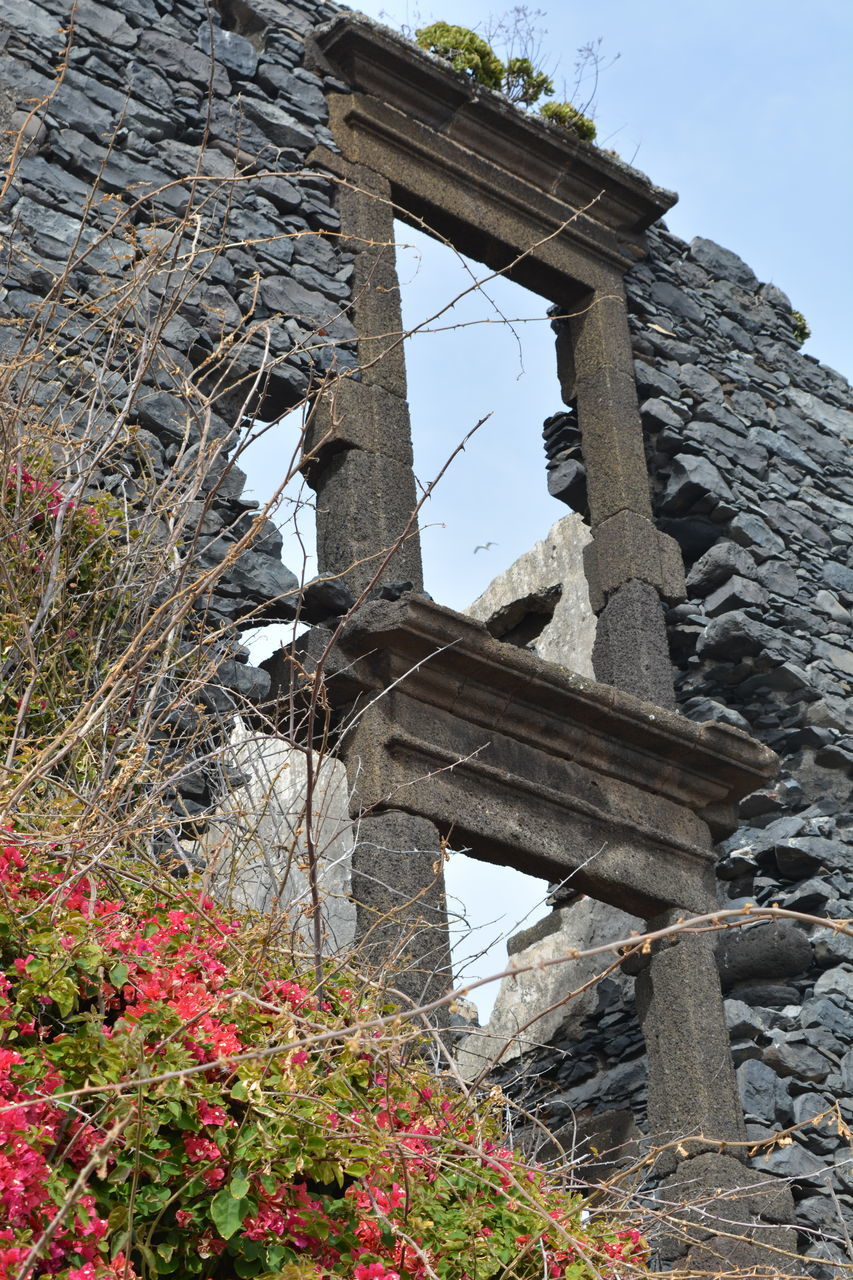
x,y
531,765
451,662
377,61
451,147
553,832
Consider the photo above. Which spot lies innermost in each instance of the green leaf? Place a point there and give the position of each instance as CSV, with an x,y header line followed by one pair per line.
x,y
228,1213
118,1217
64,993
118,975
239,1185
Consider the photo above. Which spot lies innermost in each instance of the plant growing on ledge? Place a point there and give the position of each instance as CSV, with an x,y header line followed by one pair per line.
x,y
518,79
800,326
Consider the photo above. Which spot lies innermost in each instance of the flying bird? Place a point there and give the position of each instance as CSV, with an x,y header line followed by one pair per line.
x,y
485,546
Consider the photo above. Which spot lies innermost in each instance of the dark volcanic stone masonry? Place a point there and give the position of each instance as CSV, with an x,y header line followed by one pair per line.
x,y
767,634
170,110
749,445
177,134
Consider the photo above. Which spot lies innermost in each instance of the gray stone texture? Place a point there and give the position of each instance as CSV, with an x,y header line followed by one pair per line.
x,y
549,577
749,448
401,908
749,443
627,546
692,1100
365,522
631,650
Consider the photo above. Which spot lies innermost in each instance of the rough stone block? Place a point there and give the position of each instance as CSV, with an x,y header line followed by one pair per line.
x,y
631,649
737,1192
232,50
691,480
612,441
364,503
401,908
629,546
780,578
692,1089
367,222
596,1147
762,1092
732,636
763,1253
737,593
567,483
311,309
722,263
751,531
717,565
774,949
674,300
357,415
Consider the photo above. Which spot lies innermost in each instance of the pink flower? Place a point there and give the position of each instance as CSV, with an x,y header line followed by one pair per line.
x,y
199,1149
211,1115
375,1271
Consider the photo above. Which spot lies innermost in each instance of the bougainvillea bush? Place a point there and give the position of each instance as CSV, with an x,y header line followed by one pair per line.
x,y
175,1100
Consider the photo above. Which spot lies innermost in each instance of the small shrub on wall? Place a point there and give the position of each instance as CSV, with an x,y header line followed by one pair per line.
x,y
177,1101
518,79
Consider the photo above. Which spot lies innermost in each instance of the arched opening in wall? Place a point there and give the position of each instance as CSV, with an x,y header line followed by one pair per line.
x,y
480,348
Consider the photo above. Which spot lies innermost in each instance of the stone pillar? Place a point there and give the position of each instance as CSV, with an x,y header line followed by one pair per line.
x,y
358,458
694,1111
630,565
401,907
358,447
692,1087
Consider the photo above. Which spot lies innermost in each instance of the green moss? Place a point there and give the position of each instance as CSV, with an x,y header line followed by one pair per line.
x,y
523,83
570,118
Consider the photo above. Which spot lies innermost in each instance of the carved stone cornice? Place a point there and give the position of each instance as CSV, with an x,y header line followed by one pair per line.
x,y
442,132
532,765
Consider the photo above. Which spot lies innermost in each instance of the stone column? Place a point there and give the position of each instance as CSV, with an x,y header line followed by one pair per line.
x,y
358,447
694,1111
632,568
401,908
692,1087
630,565
358,458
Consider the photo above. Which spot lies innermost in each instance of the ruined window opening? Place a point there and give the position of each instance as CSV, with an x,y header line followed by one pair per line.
x,y
263,459
488,904
493,352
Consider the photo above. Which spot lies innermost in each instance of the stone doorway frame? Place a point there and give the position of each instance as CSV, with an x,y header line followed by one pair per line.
x,y
614,761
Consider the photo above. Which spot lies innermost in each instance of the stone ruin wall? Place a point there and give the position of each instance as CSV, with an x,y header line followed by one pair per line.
x,y
174,143
748,441
749,446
